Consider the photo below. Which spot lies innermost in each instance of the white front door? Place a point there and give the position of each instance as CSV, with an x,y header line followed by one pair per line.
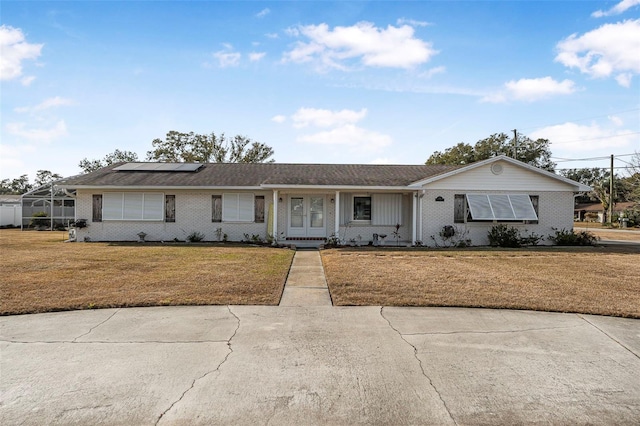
x,y
306,216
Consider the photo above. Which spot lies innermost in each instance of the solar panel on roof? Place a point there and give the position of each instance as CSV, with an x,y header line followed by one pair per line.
x,y
159,167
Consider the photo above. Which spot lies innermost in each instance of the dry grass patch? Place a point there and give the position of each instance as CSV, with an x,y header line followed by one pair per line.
x,y
603,281
41,273
614,234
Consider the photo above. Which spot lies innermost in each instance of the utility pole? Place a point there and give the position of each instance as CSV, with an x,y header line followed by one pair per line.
x,y
611,192
515,144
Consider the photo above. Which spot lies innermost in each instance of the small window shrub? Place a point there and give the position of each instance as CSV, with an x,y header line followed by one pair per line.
x,y
562,237
195,237
452,236
504,236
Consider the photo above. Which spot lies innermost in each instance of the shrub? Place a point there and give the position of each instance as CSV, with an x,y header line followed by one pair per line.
x,y
504,236
508,236
452,236
195,237
38,221
563,237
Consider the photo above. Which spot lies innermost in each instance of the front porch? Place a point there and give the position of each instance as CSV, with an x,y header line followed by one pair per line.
x,y
311,217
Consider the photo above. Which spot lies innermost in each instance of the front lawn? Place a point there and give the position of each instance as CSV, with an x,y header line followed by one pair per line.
x,y
39,273
592,280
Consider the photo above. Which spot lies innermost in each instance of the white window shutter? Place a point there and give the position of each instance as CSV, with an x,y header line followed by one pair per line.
x,y
480,207
133,202
112,206
501,206
229,207
153,206
386,209
246,208
522,207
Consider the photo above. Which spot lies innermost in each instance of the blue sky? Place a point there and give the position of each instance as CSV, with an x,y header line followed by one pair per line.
x,y
320,82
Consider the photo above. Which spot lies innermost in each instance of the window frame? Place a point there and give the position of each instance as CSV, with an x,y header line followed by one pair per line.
x,y
142,203
466,213
240,209
353,209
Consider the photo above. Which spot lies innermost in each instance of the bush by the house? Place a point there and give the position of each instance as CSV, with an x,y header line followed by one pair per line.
x,y
507,236
563,237
38,221
195,237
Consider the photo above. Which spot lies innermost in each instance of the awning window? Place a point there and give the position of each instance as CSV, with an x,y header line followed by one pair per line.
x,y
501,207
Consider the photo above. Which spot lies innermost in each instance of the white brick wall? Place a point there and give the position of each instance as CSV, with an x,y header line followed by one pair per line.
x,y
193,214
555,210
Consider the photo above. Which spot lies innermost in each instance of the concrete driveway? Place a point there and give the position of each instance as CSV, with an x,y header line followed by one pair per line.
x,y
318,365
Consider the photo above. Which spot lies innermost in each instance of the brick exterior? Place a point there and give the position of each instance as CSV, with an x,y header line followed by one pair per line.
x,y
193,214
555,210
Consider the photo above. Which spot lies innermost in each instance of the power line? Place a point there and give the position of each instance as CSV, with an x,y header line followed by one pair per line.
x,y
562,160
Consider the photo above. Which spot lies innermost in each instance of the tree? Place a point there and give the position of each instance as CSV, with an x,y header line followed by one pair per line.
x,y
598,179
44,177
116,156
534,152
195,148
17,186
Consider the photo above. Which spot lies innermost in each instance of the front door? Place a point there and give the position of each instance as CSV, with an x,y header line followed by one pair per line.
x,y
306,216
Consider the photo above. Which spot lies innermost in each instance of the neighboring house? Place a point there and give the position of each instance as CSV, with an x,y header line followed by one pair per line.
x,y
308,203
594,212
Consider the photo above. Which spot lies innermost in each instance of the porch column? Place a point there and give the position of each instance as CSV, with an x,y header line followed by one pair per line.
x,y
275,216
414,212
337,215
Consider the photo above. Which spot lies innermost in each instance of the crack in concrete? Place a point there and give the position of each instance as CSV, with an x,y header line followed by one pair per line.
x,y
608,335
415,355
489,332
193,383
96,326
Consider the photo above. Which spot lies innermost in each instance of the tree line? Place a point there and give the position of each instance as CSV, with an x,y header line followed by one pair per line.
x,y
175,147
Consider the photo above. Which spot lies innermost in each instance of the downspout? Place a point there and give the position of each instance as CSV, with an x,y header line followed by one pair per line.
x,y
337,215
275,217
51,219
415,218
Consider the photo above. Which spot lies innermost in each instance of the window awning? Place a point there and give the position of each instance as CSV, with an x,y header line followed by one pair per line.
x,y
501,207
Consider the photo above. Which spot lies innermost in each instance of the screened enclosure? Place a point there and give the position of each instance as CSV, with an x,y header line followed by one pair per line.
x,y
48,208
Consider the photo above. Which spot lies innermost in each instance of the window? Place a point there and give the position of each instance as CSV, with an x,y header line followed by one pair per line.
x,y
132,206
237,207
216,208
259,208
495,207
361,208
97,208
535,199
169,208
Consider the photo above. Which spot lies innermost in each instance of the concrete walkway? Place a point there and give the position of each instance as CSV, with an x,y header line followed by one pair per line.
x,y
267,365
306,284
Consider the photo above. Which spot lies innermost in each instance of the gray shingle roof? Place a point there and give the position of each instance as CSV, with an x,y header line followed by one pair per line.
x,y
256,174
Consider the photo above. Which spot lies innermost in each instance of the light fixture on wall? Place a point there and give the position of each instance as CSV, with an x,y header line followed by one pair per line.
x,y
333,201
439,198
280,199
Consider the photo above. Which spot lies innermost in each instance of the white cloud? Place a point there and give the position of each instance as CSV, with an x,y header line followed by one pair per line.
x,y
27,80
572,137
349,135
256,56
531,89
227,57
264,12
619,8
433,71
616,120
279,119
412,22
326,118
607,50
46,104
394,47
272,35
15,49
37,135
